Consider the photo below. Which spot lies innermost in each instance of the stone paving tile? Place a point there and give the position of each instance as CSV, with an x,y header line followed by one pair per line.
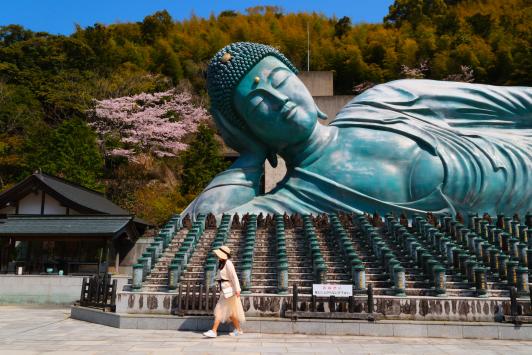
x,y
70,352
177,344
264,350
314,349
121,352
31,330
270,343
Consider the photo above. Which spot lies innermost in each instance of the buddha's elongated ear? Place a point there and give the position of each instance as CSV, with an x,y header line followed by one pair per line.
x,y
232,135
239,138
321,115
272,158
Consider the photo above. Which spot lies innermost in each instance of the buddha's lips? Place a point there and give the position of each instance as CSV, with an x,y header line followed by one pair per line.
x,y
287,109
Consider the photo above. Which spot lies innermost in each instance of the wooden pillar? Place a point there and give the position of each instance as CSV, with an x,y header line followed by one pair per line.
x,y
100,258
43,201
27,259
4,245
106,253
117,262
10,250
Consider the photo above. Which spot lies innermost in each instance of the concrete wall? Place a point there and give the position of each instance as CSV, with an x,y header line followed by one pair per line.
x,y
273,175
43,289
319,83
136,252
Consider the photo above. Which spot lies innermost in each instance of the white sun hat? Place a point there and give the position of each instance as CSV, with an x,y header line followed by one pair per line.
x,y
223,252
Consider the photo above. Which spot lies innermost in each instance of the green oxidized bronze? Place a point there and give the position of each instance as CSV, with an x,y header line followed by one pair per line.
x,y
404,146
226,70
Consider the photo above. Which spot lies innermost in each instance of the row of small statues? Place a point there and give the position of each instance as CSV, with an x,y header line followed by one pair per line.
x,y
377,221
322,220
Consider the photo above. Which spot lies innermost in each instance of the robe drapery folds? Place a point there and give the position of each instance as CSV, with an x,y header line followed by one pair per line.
x,y
481,133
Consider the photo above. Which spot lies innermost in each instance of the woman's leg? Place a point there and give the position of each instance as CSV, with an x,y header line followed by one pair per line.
x,y
215,325
236,322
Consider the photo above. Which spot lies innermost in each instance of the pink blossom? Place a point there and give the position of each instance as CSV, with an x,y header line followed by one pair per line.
x,y
145,122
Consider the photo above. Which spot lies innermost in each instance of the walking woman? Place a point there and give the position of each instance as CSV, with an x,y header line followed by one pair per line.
x,y
229,306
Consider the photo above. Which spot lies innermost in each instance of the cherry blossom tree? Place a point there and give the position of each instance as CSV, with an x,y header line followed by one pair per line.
x,y
415,73
466,75
143,123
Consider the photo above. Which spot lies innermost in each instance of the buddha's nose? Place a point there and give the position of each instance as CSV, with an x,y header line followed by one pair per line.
x,y
279,96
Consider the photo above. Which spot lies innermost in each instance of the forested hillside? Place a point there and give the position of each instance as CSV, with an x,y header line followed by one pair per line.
x,y
58,94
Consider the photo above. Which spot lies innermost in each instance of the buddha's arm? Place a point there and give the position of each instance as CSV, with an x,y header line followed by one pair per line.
x,y
457,104
231,188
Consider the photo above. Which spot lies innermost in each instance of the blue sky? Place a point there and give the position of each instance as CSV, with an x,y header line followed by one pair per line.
x,y
59,16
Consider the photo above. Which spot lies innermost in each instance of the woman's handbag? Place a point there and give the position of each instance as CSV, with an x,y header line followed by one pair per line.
x,y
228,292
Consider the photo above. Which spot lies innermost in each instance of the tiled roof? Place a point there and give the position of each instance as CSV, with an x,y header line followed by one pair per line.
x,y
27,225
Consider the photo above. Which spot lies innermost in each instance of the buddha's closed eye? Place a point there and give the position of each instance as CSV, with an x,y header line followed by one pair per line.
x,y
279,78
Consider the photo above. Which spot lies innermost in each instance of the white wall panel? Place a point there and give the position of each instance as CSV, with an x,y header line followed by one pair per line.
x,y
30,204
52,206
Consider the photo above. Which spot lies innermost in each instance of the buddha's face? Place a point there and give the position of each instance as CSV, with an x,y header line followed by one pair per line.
x,y
275,104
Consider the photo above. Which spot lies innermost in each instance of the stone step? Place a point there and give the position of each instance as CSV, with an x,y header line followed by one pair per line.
x,y
300,263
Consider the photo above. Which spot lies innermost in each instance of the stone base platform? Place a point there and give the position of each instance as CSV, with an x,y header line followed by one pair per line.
x,y
420,308
386,328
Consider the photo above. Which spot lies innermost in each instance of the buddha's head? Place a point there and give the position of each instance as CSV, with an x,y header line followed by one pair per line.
x,y
254,91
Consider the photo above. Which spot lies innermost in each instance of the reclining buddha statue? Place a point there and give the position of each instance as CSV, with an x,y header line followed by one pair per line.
x,y
407,146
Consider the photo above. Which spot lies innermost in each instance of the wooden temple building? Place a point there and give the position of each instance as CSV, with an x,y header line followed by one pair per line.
x,y
50,225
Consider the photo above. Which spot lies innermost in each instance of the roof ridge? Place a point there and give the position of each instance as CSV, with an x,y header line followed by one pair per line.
x,y
67,182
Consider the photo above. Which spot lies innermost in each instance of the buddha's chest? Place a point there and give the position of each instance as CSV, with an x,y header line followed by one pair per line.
x,y
380,164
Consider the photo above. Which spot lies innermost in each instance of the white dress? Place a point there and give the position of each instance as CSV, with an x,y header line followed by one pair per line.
x,y
232,306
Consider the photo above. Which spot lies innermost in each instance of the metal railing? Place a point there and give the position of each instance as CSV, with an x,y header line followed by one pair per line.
x,y
352,307
195,299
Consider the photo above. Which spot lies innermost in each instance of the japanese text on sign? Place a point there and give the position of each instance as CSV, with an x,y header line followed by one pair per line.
x,y
326,290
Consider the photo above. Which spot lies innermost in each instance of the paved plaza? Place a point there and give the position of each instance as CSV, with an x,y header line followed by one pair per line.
x,y
35,330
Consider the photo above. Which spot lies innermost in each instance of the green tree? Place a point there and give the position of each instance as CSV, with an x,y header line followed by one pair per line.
x,y
69,151
414,11
342,27
13,33
201,161
480,24
228,13
166,61
19,108
12,160
157,25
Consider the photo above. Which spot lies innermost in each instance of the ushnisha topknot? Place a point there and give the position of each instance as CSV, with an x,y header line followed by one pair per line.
x,y
228,67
